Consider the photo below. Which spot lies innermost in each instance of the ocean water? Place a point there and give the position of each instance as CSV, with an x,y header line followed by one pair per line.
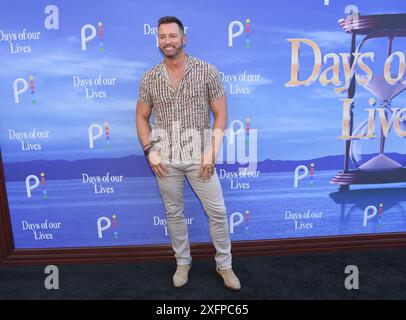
x,y
271,208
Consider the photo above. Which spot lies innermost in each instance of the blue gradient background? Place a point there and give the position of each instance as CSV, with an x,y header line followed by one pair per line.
x,y
293,123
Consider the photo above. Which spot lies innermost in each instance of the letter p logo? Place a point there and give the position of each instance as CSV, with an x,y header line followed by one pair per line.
x,y
236,218
301,172
85,39
234,33
94,136
103,224
20,86
232,132
29,186
369,213
98,133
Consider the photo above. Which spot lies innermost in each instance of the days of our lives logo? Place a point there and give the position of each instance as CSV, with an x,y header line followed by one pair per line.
x,y
29,140
240,83
20,42
161,222
92,86
45,230
303,220
340,69
102,184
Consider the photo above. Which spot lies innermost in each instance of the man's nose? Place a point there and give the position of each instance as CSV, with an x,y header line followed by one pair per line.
x,y
163,41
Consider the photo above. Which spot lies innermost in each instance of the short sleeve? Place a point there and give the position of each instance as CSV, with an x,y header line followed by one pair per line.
x,y
145,94
216,88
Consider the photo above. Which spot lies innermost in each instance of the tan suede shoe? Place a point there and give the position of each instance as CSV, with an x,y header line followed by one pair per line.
x,y
181,275
230,279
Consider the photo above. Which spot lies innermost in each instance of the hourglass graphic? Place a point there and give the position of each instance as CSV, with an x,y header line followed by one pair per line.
x,y
385,92
376,167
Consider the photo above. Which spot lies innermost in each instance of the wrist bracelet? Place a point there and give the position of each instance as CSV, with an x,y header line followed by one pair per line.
x,y
147,150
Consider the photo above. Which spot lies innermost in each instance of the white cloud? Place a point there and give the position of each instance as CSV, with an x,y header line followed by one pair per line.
x,y
71,39
60,64
329,93
328,39
325,39
234,61
292,124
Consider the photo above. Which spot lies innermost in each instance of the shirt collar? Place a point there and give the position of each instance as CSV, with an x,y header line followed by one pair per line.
x,y
190,63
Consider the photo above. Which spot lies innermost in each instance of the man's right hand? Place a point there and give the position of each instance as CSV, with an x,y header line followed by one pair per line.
x,y
155,161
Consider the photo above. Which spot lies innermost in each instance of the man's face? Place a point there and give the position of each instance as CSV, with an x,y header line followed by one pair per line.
x,y
171,39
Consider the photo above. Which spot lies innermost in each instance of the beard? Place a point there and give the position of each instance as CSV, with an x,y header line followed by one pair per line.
x,y
172,52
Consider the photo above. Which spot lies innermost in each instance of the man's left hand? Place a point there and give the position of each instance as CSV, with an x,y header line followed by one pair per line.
x,y
207,166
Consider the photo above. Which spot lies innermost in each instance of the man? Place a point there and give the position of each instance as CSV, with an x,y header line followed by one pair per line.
x,y
181,91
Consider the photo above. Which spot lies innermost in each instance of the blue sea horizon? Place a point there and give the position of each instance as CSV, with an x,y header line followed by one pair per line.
x,y
272,208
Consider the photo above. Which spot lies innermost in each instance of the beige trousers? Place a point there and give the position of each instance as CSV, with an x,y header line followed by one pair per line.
x,y
210,195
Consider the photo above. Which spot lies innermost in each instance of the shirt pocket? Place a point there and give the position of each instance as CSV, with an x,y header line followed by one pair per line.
x,y
196,98
162,101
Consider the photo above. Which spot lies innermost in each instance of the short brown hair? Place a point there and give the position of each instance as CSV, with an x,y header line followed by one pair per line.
x,y
171,19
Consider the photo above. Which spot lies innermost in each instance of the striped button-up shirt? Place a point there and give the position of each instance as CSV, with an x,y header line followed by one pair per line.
x,y
182,116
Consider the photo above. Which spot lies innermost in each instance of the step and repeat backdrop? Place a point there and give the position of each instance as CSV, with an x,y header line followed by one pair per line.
x,y
74,169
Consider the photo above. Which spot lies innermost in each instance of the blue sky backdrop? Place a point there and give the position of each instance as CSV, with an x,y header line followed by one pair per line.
x,y
292,123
